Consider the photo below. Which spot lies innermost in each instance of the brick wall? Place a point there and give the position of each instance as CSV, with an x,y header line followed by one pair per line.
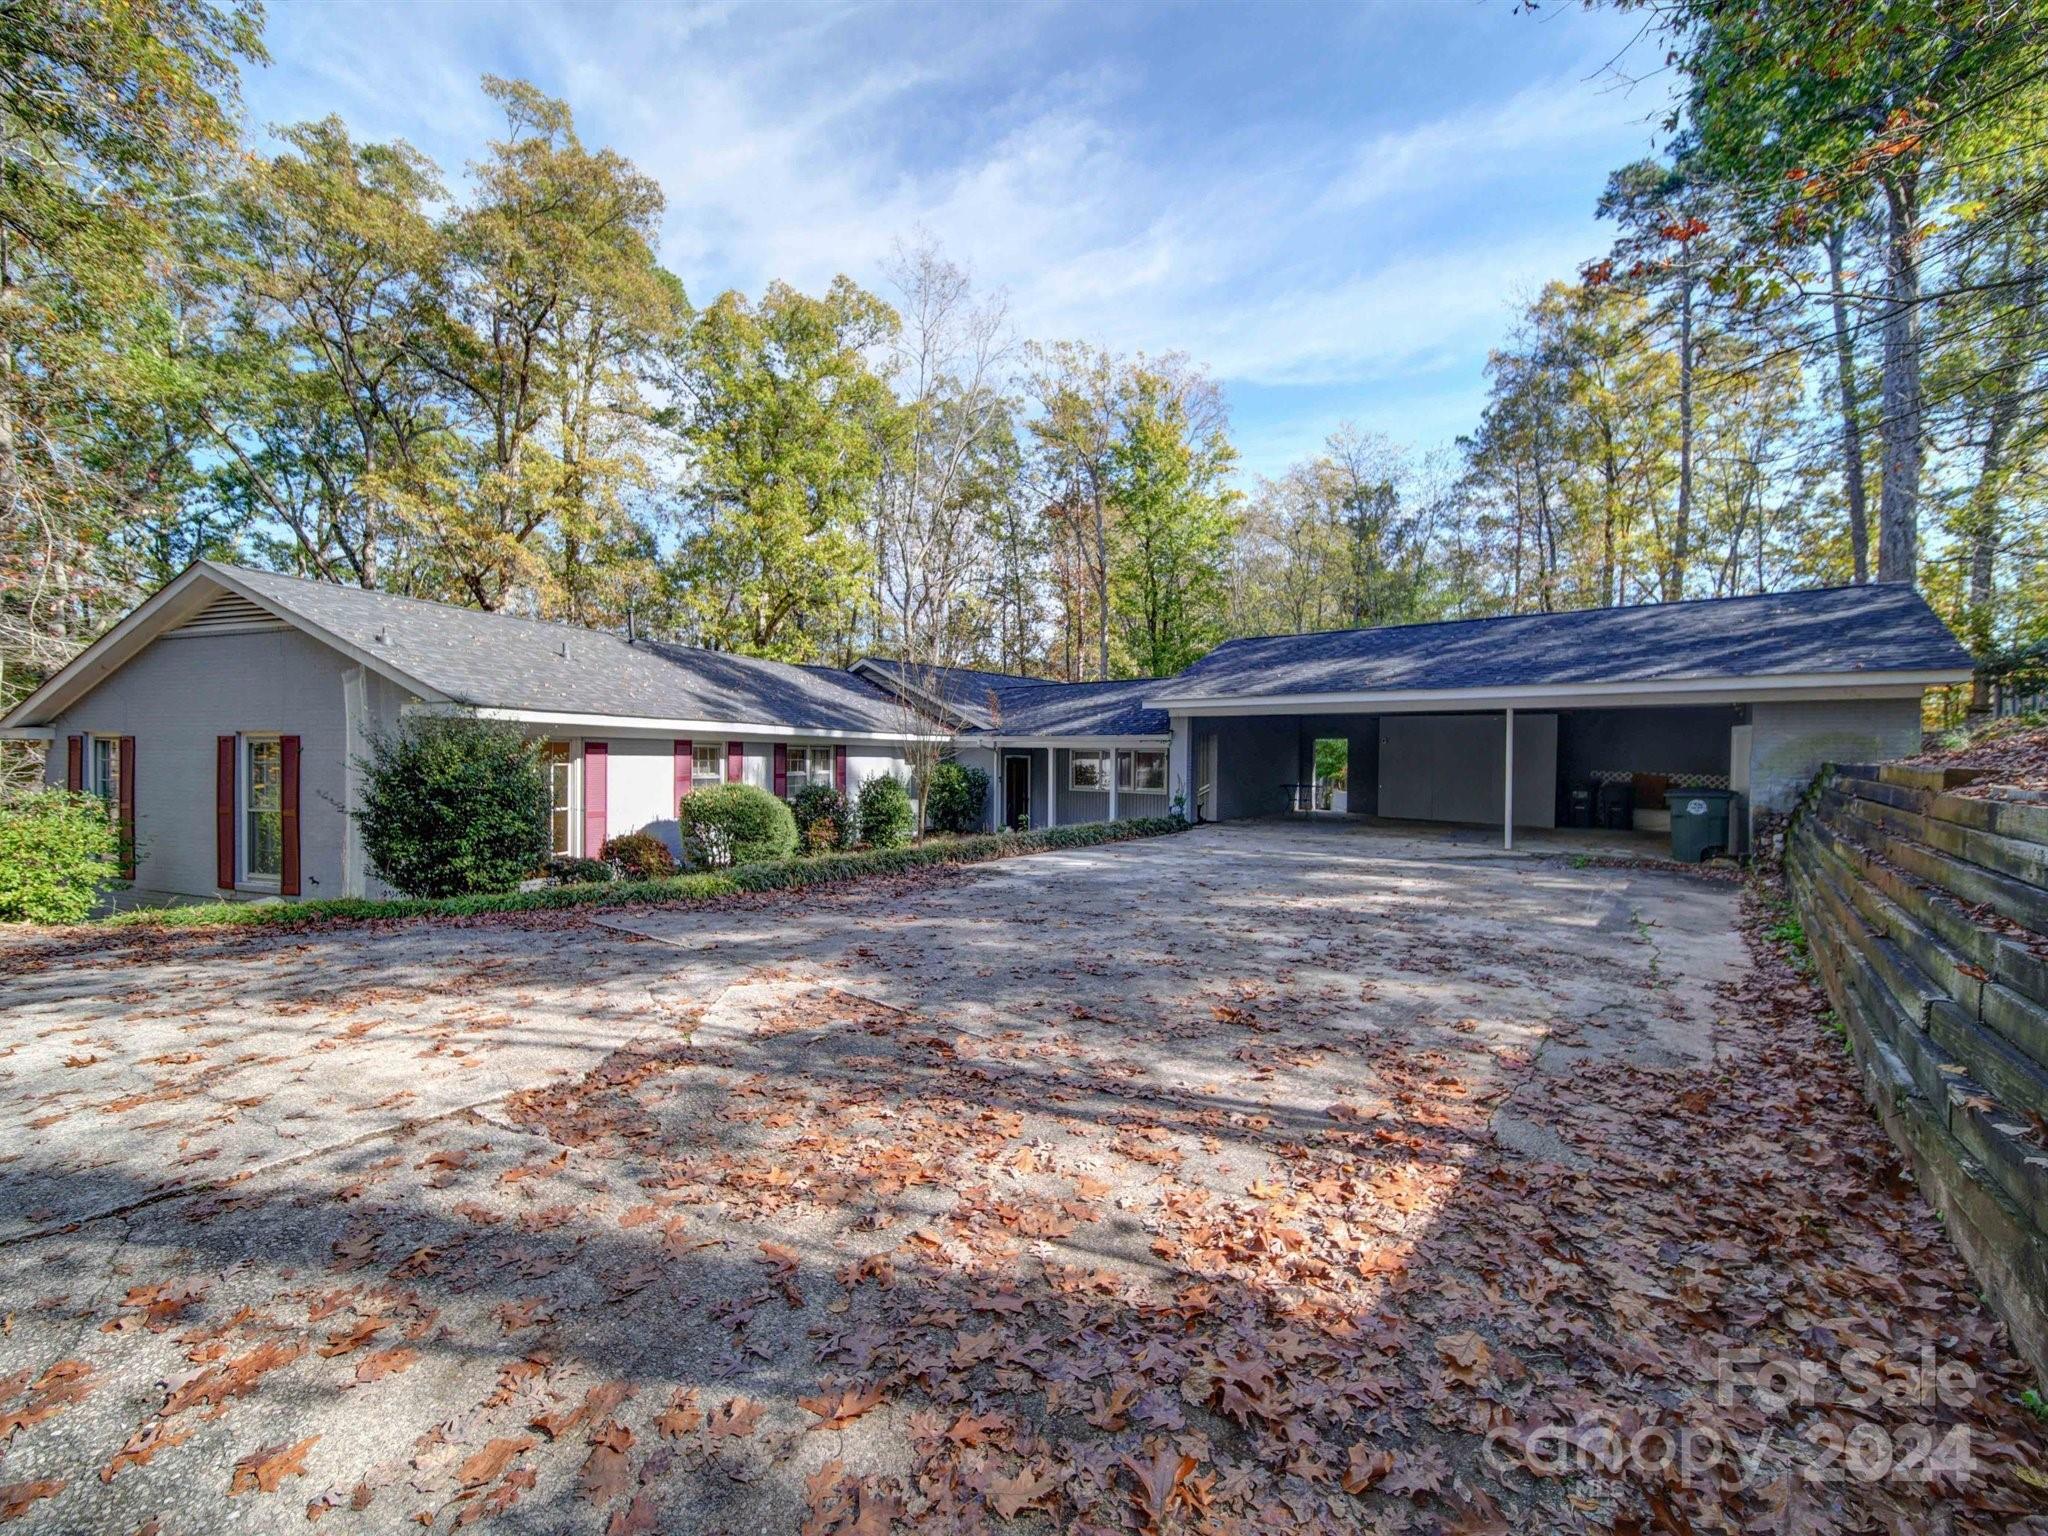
x,y
1789,743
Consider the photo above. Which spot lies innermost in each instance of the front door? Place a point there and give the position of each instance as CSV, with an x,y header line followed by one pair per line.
x,y
1017,793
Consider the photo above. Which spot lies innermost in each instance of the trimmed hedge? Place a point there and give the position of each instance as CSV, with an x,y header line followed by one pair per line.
x,y
770,875
730,824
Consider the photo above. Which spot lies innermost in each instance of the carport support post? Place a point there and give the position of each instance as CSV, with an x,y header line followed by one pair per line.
x,y
1507,794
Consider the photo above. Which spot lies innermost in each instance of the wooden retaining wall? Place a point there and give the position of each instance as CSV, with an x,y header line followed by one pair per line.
x,y
1927,915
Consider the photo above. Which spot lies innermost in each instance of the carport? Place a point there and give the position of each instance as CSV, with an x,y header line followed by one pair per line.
x,y
1515,767
1500,721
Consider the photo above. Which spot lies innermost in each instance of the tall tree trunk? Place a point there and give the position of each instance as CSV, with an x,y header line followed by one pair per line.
x,y
1898,512
1984,530
1675,559
1852,423
1101,584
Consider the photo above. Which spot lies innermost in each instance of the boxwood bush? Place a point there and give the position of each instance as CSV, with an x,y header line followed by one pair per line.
x,y
730,824
885,813
58,855
955,799
453,806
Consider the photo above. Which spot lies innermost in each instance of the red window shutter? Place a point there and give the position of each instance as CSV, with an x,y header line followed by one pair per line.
x,y
595,754
74,764
224,812
686,757
839,769
735,762
288,814
126,807
781,771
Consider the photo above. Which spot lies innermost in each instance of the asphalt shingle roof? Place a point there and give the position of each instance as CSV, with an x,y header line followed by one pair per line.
x,y
1077,709
497,661
967,691
1849,630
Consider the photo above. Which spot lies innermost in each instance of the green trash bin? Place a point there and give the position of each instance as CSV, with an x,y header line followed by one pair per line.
x,y
1699,822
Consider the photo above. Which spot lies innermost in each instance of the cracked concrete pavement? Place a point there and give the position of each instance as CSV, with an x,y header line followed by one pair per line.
x,y
244,1116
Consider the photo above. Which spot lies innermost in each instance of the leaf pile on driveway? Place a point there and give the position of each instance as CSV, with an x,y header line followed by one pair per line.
x,y
1240,1255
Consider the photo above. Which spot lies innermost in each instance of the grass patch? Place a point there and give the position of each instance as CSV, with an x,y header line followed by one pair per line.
x,y
770,875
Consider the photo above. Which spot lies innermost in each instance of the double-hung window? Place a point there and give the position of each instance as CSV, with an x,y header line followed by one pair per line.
x,y
807,766
707,764
262,793
1141,772
105,771
1088,771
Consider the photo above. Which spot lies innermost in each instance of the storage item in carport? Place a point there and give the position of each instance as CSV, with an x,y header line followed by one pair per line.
x,y
1618,806
1699,822
1579,806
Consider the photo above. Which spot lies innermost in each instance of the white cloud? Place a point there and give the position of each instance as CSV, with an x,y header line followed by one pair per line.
x,y
798,143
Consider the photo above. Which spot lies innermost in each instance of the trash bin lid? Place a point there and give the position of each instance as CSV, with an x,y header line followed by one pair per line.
x,y
1697,802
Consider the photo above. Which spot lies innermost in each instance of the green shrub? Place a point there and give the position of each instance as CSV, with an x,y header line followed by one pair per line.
x,y
453,805
564,871
639,856
824,818
58,854
885,812
730,824
774,875
955,799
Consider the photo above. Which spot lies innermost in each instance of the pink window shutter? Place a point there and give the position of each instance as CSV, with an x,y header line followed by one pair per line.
x,y
595,755
781,771
686,757
839,769
735,762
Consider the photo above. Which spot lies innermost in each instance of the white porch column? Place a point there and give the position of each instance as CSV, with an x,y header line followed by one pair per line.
x,y
1507,794
1115,753
1052,787
1180,763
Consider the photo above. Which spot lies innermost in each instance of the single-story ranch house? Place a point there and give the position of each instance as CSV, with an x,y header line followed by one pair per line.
x,y
223,717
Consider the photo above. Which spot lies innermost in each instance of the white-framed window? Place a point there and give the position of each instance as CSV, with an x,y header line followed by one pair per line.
x,y
1088,771
1141,771
707,764
103,769
809,765
556,758
262,806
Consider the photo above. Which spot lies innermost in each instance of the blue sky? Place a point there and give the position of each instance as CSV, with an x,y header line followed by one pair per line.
x,y
1336,208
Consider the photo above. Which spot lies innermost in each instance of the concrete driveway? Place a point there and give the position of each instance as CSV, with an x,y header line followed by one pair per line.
x,y
1127,1186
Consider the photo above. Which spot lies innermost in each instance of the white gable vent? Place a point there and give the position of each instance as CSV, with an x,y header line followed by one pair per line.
x,y
229,615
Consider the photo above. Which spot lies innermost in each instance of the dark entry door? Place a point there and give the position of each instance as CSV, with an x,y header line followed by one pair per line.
x,y
1016,792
